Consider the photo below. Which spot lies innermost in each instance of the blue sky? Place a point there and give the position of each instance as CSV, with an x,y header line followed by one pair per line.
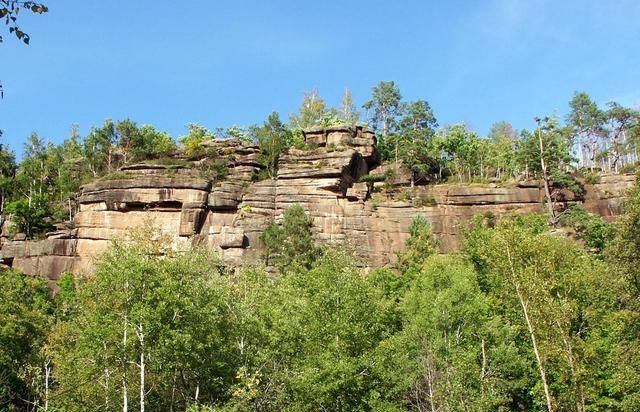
x,y
217,63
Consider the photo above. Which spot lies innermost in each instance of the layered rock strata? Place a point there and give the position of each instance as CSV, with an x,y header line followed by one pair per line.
x,y
229,215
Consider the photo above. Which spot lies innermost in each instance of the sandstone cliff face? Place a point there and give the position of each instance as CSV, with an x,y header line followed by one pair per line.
x,y
229,216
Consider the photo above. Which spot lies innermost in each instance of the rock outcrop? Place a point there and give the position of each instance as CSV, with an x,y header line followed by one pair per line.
x,y
193,204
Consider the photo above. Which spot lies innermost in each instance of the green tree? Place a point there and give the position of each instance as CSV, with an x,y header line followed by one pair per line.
x,y
557,143
453,352
31,215
290,245
272,137
622,148
384,106
8,168
98,148
420,244
562,301
461,149
586,121
193,140
416,129
25,316
239,133
151,143
127,133
348,113
382,111
325,325
502,158
312,111
151,331
623,257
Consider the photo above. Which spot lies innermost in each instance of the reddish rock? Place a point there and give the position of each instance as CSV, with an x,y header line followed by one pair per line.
x,y
229,216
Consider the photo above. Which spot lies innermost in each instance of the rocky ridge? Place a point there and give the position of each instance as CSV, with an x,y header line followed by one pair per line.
x,y
228,215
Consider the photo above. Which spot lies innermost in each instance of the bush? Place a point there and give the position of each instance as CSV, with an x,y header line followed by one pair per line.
x,y
591,229
32,218
215,171
193,140
372,178
591,178
290,245
259,175
562,180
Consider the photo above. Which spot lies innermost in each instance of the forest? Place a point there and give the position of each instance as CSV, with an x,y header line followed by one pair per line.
x,y
521,318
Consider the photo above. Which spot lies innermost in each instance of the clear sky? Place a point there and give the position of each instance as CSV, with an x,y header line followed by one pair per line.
x,y
218,63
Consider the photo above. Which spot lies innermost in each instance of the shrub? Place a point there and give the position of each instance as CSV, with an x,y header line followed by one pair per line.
x,y
33,218
215,171
290,244
562,180
372,178
591,178
591,229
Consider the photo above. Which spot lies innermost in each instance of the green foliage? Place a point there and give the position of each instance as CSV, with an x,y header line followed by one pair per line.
x,y
461,148
562,302
150,143
592,229
25,311
419,246
8,168
174,314
414,141
290,245
313,112
98,148
384,106
215,171
348,114
272,137
591,178
455,354
563,180
623,258
372,178
238,133
502,152
31,215
325,326
193,140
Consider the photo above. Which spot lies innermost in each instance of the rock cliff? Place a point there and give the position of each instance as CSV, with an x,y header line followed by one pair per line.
x,y
228,215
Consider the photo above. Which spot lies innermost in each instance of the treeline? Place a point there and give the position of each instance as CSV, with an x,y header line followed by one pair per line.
x,y
521,320
40,190
591,139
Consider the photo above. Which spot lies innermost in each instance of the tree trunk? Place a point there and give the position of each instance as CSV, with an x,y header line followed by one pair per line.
x,y
577,387
125,396
530,327
173,388
545,178
140,333
125,391
47,375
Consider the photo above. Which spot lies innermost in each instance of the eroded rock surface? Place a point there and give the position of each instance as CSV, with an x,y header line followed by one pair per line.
x,y
229,215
